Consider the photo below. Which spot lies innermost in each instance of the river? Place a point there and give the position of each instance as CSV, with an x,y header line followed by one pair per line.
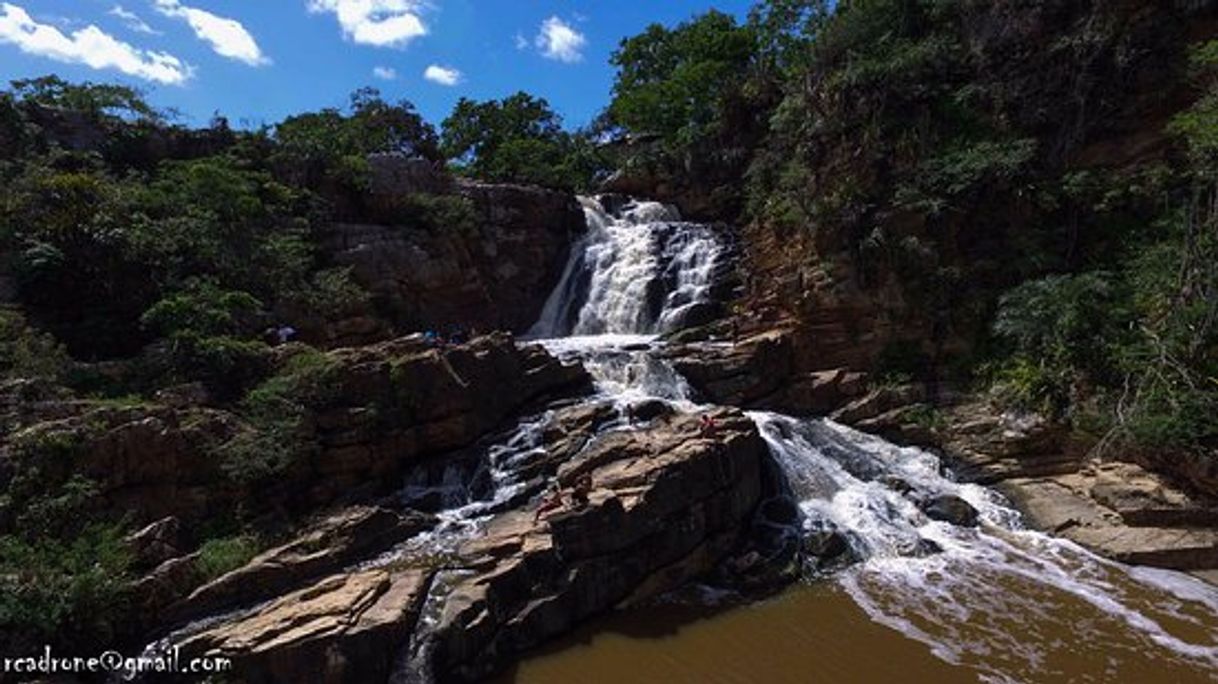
x,y
926,600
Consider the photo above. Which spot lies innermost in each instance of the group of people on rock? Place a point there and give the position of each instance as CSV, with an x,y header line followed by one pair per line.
x,y
278,335
456,336
581,492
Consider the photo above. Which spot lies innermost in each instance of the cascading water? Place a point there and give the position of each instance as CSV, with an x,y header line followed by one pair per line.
x,y
994,598
1005,603
639,270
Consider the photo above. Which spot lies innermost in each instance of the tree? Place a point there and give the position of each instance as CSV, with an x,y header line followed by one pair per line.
x,y
332,144
93,99
517,139
673,82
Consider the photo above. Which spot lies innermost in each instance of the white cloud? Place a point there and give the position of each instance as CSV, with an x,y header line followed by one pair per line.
x,y
385,73
522,43
89,46
560,41
446,76
132,21
227,37
381,23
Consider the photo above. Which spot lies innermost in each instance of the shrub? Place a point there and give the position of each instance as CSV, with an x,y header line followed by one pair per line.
x,y
275,414
221,556
69,593
27,353
439,214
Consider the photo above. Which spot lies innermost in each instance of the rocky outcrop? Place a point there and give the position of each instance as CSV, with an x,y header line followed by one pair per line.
x,y
1124,512
762,371
400,402
1120,510
345,628
495,274
326,547
391,405
668,503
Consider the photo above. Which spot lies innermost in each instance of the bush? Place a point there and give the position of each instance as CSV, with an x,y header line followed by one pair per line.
x,y
220,556
71,593
227,366
275,414
1067,320
439,214
27,353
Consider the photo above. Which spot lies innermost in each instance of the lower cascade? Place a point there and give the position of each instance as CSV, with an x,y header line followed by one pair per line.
x,y
942,563
933,561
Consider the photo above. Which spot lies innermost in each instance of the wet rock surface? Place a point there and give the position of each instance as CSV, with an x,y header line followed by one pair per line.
x,y
1123,510
344,628
761,371
325,547
668,504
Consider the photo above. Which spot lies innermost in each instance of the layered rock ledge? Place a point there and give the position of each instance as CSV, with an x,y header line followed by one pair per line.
x,y
668,504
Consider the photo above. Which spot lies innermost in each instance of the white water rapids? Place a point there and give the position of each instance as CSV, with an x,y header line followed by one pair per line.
x,y
1007,602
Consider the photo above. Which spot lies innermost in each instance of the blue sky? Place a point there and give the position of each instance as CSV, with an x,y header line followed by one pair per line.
x,y
257,61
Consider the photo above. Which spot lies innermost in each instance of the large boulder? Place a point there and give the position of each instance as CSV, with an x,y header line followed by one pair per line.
x,y
669,503
761,371
344,628
323,548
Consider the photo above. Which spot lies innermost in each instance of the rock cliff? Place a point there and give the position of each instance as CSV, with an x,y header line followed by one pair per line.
x,y
492,270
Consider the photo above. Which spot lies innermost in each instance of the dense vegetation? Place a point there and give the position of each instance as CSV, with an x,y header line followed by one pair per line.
x,y
935,149
143,255
945,151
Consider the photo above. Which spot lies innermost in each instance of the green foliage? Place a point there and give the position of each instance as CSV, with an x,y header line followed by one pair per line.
x,y
203,309
1198,125
439,214
673,82
1062,331
1066,319
92,99
220,556
27,353
227,366
332,293
966,169
70,593
518,139
331,146
276,413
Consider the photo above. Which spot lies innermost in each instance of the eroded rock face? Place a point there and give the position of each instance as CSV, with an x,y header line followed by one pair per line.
x,y
762,371
402,401
668,504
394,404
326,547
344,628
497,278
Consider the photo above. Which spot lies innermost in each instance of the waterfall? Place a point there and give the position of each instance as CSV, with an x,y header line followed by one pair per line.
x,y
969,593
638,270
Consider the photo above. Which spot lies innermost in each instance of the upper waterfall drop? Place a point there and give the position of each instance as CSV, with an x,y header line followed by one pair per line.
x,y
639,270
